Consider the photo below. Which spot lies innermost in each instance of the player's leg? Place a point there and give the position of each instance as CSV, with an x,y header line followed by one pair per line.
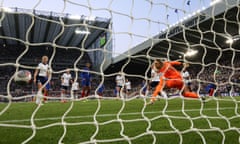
x,y
126,92
121,92
147,89
39,93
87,91
62,93
188,85
178,83
88,88
188,93
164,94
144,90
211,91
83,91
118,88
45,94
100,93
67,93
40,84
46,90
75,94
83,88
115,92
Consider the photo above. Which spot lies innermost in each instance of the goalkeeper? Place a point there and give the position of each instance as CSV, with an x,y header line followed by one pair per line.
x,y
170,78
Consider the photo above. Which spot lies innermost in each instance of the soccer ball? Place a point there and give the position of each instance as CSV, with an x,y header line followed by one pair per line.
x,y
23,77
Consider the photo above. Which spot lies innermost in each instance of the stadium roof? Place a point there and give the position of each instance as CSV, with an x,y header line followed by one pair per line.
x,y
205,31
46,28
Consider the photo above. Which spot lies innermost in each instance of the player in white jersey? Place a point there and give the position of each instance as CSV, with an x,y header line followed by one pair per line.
x,y
155,78
120,80
128,86
66,80
41,76
75,88
186,77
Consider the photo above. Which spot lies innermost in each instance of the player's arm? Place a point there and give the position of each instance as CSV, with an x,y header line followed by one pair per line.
x,y
158,89
175,63
62,79
185,65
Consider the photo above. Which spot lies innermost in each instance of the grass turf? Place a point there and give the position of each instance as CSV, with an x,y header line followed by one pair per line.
x,y
116,121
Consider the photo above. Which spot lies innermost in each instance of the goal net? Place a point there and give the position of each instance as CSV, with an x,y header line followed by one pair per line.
x,y
109,48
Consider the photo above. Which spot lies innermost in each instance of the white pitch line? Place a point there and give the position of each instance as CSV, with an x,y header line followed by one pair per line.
x,y
122,114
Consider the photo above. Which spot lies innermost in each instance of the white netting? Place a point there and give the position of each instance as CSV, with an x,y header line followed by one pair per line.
x,y
144,30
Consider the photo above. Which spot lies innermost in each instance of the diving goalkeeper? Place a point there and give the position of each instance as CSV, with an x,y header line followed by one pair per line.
x,y
170,78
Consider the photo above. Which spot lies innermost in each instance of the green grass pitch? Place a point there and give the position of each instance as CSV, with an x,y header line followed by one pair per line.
x,y
115,121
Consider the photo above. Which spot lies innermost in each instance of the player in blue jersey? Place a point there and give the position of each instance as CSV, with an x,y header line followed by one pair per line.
x,y
210,89
100,90
86,80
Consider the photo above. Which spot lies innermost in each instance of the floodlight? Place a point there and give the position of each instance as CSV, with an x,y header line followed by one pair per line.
x,y
229,41
81,31
190,53
75,17
6,9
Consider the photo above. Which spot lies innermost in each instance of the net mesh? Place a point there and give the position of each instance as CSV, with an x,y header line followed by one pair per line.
x,y
171,30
